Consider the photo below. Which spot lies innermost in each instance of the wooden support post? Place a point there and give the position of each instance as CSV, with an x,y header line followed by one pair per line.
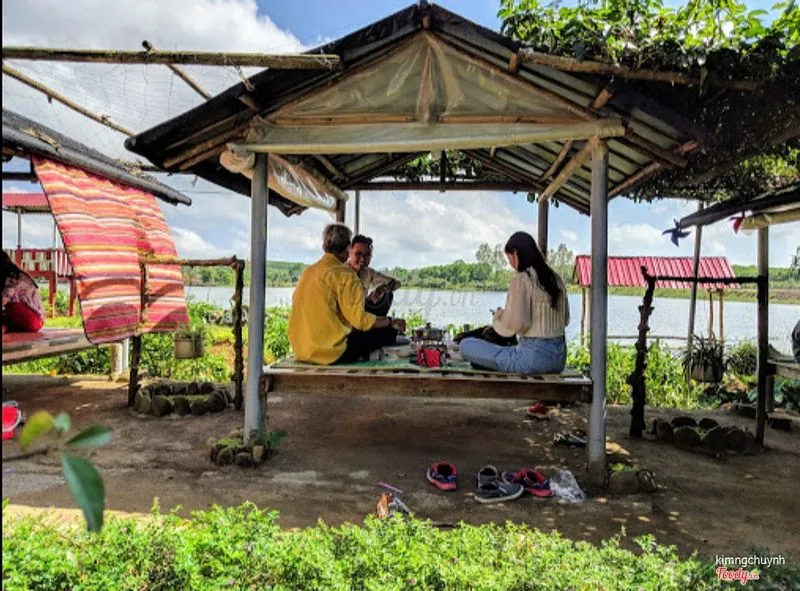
x,y
637,379
698,239
73,295
19,235
133,381
763,331
542,223
255,421
52,282
357,224
710,313
596,448
721,316
238,347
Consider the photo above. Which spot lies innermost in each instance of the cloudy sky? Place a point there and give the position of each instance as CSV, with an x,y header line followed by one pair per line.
x,y
412,229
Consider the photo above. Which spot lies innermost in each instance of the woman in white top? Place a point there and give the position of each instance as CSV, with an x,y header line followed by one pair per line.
x,y
536,310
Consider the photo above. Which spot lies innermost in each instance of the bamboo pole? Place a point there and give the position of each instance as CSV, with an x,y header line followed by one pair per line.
x,y
446,186
204,146
559,159
569,168
180,73
542,119
721,316
542,226
567,64
195,58
165,260
331,167
50,93
583,315
602,99
357,224
698,239
710,313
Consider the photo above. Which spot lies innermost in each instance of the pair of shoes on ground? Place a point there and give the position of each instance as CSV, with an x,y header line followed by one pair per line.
x,y
494,487
575,439
538,411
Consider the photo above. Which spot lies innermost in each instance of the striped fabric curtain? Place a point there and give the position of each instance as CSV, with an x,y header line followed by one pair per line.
x,y
107,228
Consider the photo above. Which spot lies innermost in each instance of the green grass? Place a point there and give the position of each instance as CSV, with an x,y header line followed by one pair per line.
x,y
244,548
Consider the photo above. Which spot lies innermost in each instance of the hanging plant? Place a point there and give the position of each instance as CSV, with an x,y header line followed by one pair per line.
x,y
703,359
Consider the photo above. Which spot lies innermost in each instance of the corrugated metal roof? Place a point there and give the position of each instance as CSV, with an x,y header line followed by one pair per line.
x,y
26,136
653,128
26,202
627,271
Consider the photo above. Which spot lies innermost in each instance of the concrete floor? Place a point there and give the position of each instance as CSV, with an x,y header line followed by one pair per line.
x,y
338,447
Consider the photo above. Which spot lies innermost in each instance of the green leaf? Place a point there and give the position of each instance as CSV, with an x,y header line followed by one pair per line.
x,y
62,422
40,423
86,486
93,436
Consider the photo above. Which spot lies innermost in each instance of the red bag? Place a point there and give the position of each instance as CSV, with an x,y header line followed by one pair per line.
x,y
429,357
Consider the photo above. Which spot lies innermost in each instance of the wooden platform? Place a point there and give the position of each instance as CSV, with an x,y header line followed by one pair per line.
x,y
784,367
27,346
569,386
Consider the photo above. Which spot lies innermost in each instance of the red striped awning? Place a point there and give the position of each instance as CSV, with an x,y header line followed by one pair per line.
x,y
627,271
26,202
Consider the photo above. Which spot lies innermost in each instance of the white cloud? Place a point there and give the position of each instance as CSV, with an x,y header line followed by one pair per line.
x,y
635,239
190,244
569,235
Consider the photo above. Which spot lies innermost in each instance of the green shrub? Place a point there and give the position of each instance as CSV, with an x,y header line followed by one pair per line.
x,y
742,358
665,380
244,548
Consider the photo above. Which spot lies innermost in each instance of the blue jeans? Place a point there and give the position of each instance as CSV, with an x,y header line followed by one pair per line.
x,y
531,356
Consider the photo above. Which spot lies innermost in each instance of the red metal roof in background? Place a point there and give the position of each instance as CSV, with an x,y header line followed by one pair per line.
x,y
26,202
626,271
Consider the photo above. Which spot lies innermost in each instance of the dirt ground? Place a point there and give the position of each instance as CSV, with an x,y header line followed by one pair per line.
x,y
338,447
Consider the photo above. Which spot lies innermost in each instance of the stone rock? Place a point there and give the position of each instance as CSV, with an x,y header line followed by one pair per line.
x,y
686,437
647,481
180,389
198,407
216,402
182,406
225,393
714,440
244,459
162,390
192,389
226,456
625,482
707,424
735,439
665,432
683,421
206,388
214,447
258,453
781,424
746,410
143,404
162,406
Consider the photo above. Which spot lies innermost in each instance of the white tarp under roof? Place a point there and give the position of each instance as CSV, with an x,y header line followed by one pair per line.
x,y
771,217
289,180
424,95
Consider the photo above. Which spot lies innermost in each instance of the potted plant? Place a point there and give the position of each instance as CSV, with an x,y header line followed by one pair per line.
x,y
703,360
190,343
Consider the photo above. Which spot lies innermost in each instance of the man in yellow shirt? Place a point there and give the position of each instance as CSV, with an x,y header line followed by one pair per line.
x,y
328,322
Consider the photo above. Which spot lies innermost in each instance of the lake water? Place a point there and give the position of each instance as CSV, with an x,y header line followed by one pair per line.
x,y
669,318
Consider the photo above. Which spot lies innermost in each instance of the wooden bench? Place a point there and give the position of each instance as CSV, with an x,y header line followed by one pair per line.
x,y
569,386
27,346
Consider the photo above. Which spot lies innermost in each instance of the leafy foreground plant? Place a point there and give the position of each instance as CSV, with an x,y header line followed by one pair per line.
x,y
244,548
83,479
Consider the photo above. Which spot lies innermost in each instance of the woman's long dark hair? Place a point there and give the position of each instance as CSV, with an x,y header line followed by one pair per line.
x,y
529,255
9,269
